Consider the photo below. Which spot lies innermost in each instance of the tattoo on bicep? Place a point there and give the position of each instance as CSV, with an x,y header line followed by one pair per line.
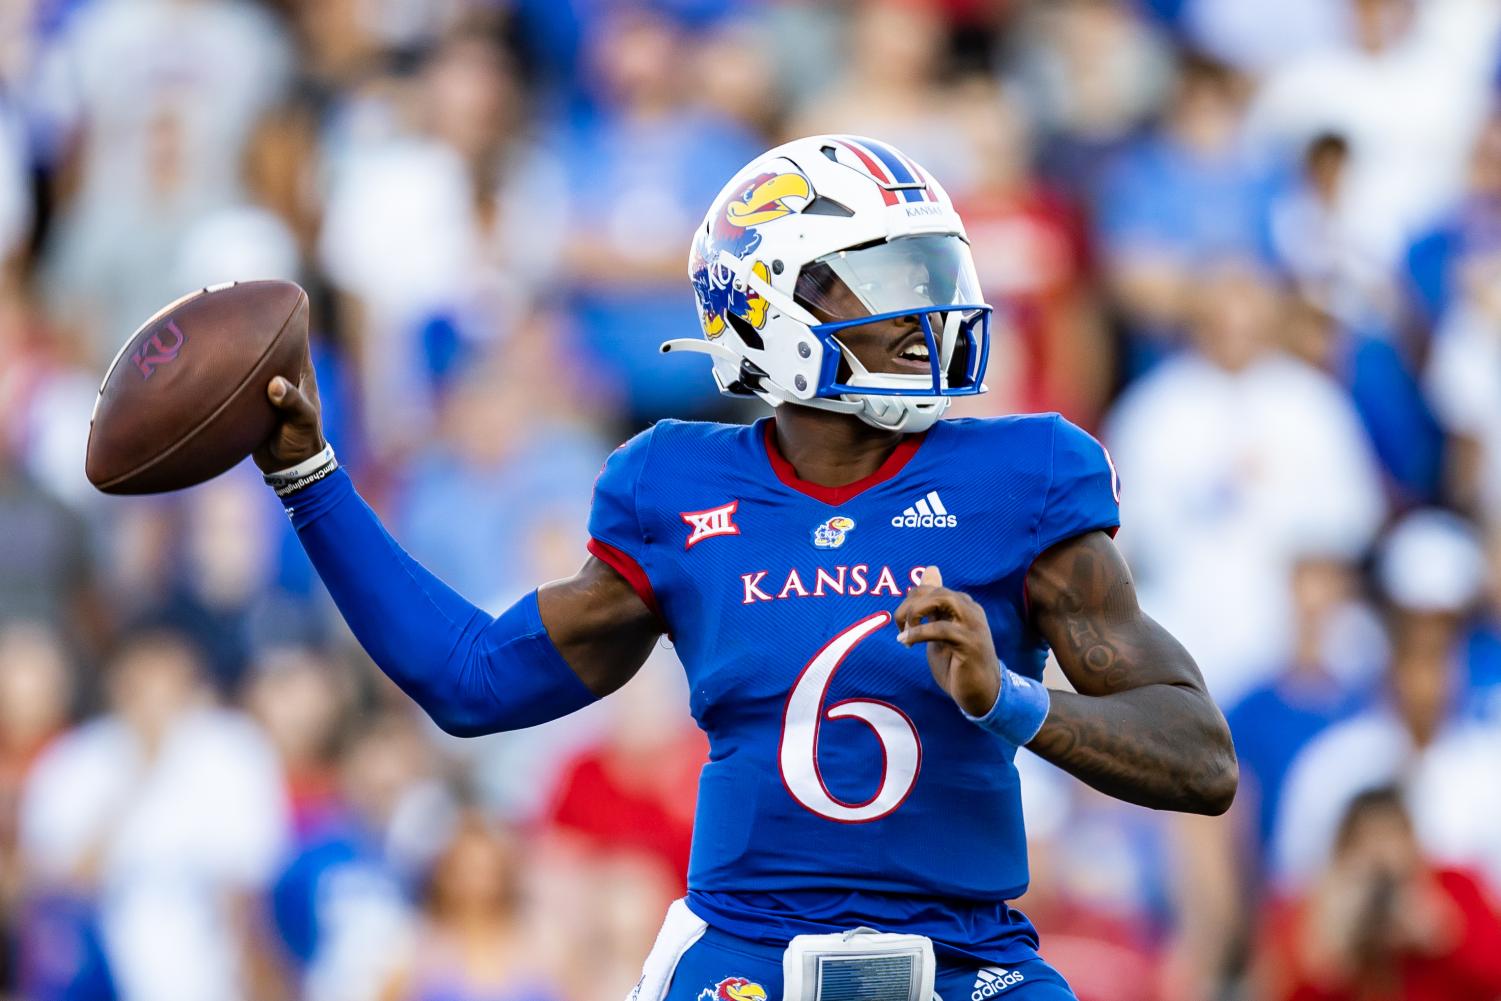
x,y
1089,609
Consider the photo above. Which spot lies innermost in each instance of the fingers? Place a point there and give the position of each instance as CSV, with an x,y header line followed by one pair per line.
x,y
938,631
924,602
931,577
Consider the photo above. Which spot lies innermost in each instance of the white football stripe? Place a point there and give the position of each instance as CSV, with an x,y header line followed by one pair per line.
x,y
922,507
938,507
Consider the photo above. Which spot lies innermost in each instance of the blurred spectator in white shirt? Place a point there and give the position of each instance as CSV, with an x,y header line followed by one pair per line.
x,y
1420,737
1464,383
442,229
1235,458
1312,238
1408,91
1259,37
170,814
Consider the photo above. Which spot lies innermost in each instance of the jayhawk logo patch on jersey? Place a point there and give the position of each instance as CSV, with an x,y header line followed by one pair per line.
x,y
830,535
734,989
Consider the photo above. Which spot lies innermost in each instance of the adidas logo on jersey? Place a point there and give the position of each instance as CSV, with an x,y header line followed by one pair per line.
x,y
992,980
926,513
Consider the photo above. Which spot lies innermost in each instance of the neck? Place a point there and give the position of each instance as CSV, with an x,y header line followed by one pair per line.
x,y
831,449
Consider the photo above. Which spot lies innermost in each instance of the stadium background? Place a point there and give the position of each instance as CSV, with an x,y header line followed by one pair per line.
x,y
1255,246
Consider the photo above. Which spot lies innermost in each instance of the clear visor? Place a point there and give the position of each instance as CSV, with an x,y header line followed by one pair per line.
x,y
908,274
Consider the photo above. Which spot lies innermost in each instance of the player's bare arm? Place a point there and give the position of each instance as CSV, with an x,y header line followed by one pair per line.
x,y
1140,724
599,624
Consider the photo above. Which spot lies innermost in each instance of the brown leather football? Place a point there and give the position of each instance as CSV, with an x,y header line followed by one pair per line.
x,y
185,399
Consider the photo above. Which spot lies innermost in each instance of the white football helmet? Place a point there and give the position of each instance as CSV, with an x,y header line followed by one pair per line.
x,y
798,236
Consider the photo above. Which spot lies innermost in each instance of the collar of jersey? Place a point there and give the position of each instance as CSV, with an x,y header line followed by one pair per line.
x,y
894,463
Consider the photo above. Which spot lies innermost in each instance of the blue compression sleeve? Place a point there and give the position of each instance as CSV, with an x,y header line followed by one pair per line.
x,y
472,673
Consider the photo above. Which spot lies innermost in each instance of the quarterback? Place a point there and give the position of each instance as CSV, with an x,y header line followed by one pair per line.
x,y
861,593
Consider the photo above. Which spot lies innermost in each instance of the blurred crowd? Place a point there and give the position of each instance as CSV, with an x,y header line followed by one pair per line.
x,y
1254,246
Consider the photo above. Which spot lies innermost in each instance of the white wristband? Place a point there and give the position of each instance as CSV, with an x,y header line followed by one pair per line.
x,y
284,481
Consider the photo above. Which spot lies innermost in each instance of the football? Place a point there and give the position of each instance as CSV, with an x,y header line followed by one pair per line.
x,y
185,397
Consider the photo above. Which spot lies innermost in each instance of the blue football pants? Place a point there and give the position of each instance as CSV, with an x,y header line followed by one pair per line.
x,y
718,957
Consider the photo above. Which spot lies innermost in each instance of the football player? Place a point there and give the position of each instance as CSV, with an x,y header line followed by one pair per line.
x,y
862,596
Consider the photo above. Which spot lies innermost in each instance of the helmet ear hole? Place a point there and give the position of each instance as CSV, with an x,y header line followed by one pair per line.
x,y
748,334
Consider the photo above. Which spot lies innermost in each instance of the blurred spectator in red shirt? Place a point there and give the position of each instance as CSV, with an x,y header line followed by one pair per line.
x,y
1051,350
1382,922
634,793
35,684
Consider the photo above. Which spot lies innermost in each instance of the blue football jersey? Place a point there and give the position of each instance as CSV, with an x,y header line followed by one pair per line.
x,y
844,787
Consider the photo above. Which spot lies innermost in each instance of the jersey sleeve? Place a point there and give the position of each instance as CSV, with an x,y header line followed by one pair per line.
x,y
1083,493
617,535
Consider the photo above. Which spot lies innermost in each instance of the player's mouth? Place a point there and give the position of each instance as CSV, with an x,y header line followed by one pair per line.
x,y
911,354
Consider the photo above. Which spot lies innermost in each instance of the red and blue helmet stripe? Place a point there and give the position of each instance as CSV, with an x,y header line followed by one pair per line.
x,y
898,176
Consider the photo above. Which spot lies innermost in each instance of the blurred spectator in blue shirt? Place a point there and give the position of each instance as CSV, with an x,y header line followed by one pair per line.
x,y
1424,735
1319,686
342,907
641,175
474,943
1483,642
1091,73
1376,373
521,472
1186,192
1434,260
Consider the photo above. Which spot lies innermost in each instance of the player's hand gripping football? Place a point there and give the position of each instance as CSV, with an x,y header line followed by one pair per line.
x,y
299,427
961,653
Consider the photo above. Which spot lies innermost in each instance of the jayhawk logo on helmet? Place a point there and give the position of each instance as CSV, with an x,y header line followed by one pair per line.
x,y
734,989
760,200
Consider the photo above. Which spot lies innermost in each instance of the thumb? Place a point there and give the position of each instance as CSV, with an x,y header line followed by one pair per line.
x,y
931,577
291,402
284,395
277,390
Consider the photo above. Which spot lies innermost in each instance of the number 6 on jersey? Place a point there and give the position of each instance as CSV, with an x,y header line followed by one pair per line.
x,y
805,714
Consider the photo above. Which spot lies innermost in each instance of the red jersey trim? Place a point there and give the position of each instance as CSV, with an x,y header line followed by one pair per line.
x,y
625,565
898,458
